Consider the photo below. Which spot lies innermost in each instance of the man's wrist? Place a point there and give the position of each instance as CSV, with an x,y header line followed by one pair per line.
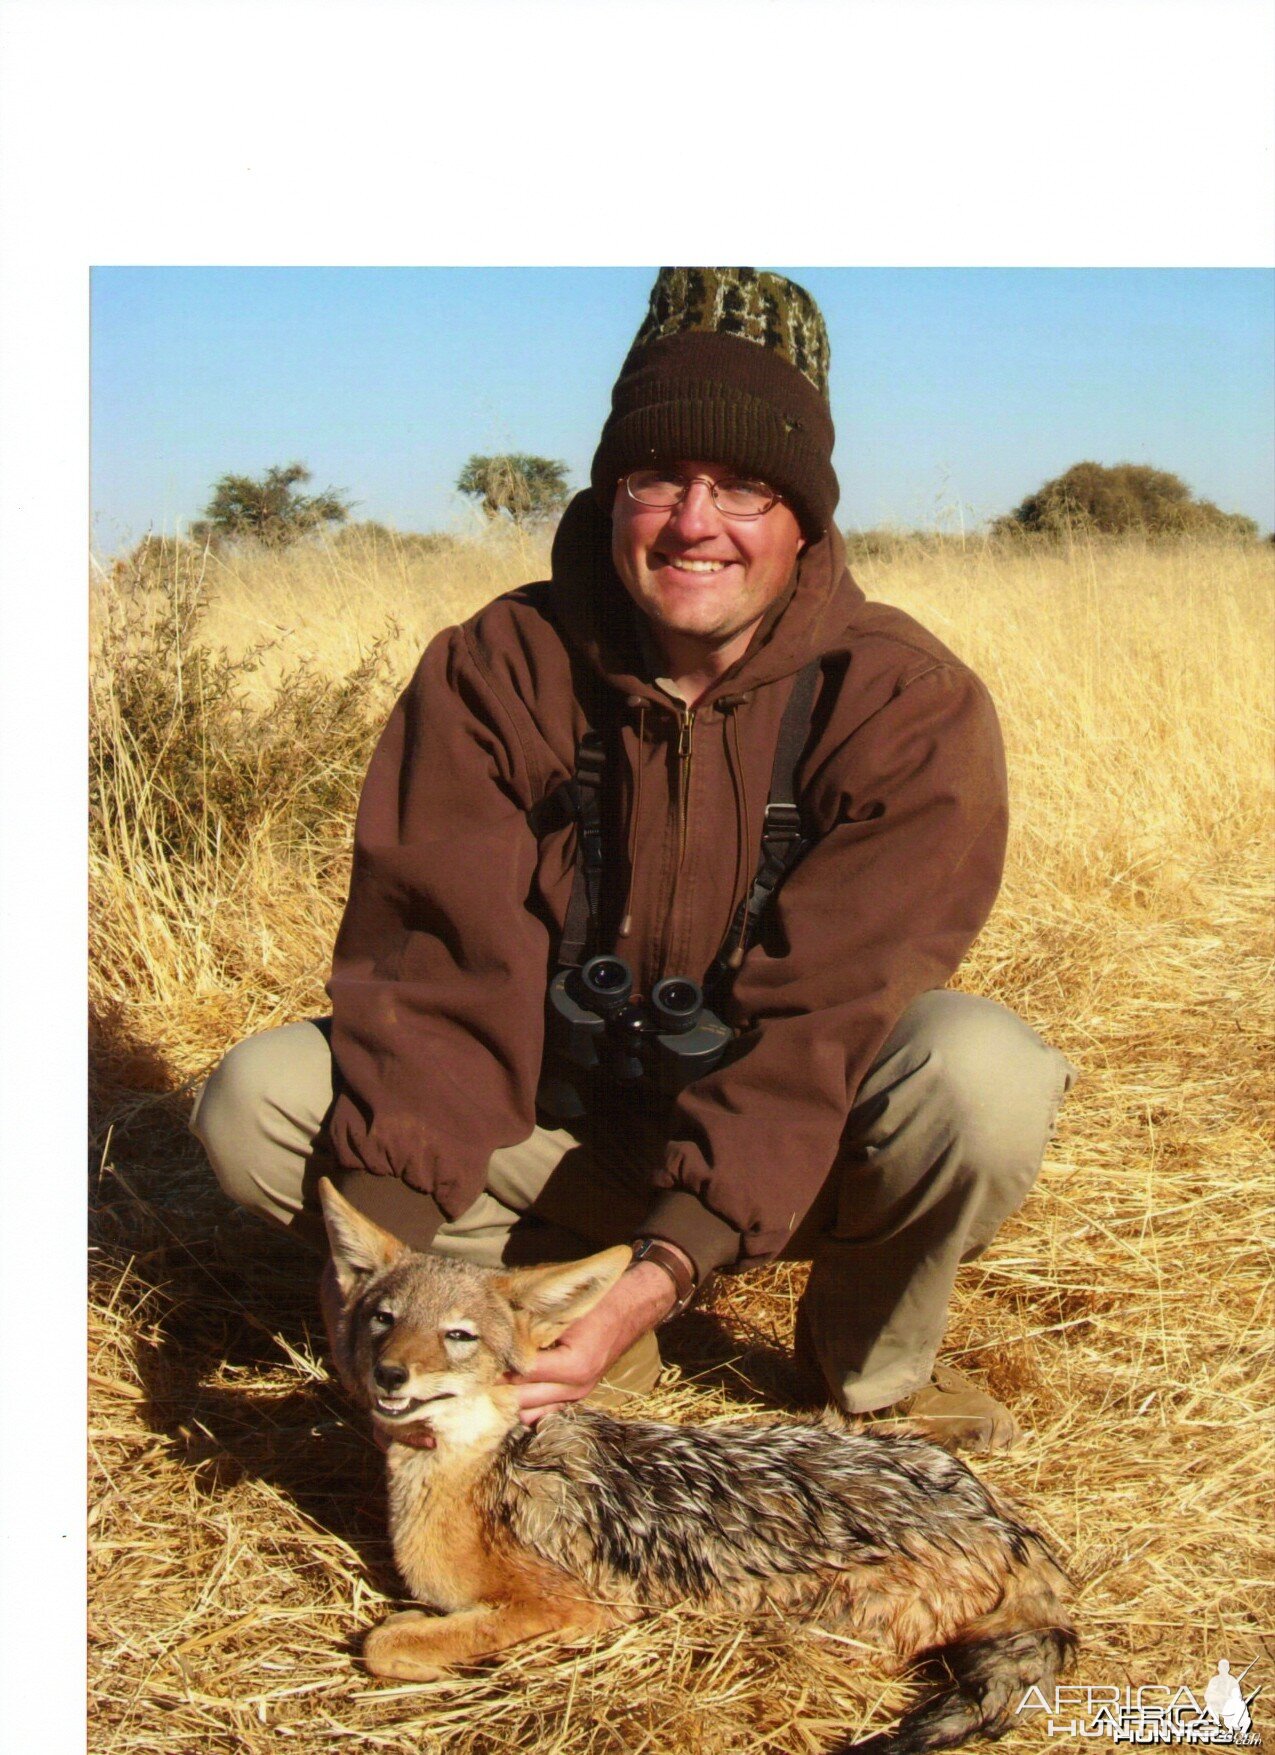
x,y
674,1264
651,1293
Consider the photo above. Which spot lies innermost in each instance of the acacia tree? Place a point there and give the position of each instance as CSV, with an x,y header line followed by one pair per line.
x,y
268,509
525,488
1125,498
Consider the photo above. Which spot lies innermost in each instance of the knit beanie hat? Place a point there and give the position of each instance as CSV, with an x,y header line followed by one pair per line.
x,y
730,366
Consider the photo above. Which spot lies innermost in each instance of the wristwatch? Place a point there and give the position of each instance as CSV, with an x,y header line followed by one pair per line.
x,y
684,1284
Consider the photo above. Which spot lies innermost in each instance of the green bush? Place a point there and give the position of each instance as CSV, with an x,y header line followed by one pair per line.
x,y
1123,500
268,509
528,489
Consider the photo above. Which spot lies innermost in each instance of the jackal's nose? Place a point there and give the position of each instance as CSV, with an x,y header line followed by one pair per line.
x,y
390,1377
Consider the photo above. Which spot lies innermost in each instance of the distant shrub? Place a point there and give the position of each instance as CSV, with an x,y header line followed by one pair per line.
x,y
527,489
267,509
1121,500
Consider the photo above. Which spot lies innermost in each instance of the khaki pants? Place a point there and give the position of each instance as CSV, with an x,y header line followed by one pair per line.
x,y
944,1141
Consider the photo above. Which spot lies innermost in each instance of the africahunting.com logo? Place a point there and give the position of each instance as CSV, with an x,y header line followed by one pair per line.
x,y
1152,1712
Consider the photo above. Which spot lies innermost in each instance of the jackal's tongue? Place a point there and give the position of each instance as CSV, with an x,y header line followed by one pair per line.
x,y
416,1434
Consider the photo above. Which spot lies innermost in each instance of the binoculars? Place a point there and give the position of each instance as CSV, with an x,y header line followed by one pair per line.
x,y
597,1026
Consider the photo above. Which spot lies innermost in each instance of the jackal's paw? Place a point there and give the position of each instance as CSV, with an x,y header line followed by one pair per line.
x,y
401,1648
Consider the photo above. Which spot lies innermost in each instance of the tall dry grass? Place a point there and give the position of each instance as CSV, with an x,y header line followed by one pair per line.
x,y
238,1547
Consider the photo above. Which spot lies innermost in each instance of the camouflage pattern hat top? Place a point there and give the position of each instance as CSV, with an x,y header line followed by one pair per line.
x,y
730,366
745,302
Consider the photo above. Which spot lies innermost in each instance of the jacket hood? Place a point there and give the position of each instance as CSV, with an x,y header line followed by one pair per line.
x,y
600,620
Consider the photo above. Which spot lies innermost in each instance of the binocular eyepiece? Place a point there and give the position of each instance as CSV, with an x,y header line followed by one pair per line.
x,y
678,1004
597,1026
605,984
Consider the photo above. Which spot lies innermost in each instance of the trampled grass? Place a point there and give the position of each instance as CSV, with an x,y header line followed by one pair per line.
x,y
238,1546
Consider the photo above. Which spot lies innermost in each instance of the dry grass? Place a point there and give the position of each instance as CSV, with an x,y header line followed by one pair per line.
x,y
238,1547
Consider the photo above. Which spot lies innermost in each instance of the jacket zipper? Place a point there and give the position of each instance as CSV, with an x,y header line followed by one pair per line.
x,y
685,731
685,735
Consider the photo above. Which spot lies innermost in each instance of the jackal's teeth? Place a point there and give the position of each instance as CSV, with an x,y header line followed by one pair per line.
x,y
394,1405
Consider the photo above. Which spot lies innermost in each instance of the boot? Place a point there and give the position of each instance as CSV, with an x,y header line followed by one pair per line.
x,y
953,1411
950,1410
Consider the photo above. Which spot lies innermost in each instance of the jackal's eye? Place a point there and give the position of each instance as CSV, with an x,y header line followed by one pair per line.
x,y
380,1321
459,1334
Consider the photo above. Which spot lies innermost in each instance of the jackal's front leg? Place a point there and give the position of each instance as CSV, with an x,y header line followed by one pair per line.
x,y
415,1647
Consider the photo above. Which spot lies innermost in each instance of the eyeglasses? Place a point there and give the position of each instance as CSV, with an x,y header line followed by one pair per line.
x,y
735,497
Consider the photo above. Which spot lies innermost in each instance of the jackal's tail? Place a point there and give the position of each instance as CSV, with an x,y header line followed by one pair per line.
x,y
975,1686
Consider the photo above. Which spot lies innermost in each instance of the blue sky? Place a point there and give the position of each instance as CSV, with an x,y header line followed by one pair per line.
x,y
955,391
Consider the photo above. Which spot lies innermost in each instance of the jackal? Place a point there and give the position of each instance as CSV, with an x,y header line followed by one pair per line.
x,y
584,1521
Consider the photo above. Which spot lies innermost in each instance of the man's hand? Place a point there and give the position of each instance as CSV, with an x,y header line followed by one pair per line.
x,y
568,1370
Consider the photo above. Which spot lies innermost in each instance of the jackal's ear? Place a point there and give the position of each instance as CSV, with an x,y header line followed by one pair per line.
x,y
552,1297
359,1248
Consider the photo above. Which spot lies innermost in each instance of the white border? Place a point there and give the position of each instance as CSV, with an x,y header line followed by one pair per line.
x,y
849,132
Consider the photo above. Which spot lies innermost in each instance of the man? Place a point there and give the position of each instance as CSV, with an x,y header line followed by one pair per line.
x,y
699,623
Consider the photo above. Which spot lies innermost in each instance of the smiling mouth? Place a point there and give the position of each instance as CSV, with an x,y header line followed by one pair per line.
x,y
688,564
395,1407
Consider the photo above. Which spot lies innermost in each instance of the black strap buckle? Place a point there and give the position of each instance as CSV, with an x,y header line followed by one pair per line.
x,y
782,822
590,768
590,759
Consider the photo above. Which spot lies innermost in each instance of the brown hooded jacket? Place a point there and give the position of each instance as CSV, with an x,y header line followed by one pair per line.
x,y
456,903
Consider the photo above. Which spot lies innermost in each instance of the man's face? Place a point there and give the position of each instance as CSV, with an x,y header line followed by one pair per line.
x,y
699,576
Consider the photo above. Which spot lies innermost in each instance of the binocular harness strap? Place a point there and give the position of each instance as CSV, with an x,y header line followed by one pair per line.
x,y
585,801
782,841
